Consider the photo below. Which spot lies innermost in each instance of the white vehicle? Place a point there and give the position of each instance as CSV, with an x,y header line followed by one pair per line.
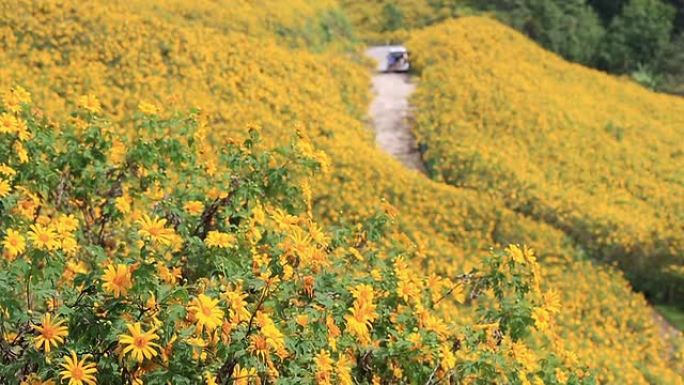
x,y
397,59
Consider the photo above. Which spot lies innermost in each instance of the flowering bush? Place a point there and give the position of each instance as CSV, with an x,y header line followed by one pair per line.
x,y
127,260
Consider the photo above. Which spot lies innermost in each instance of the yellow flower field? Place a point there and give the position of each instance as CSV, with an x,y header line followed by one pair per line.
x,y
595,156
360,256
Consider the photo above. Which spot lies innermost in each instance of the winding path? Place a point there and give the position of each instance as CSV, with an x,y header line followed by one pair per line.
x,y
390,112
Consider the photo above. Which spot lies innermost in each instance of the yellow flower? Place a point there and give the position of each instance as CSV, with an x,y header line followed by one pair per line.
x,y
194,207
258,215
78,372
206,313
168,275
323,364
523,379
147,108
5,188
74,268
258,346
50,333
302,320
237,304
117,280
155,230
356,254
13,243
541,318
156,192
21,152
215,193
274,337
318,234
408,290
7,170
309,282
219,239
44,220
28,205
117,153
523,355
561,376
23,133
210,378
416,340
167,350
43,237
8,124
447,356
516,254
34,379
552,301
123,204
283,220
344,366
242,376
14,97
66,224
69,245
89,103
198,345
362,313
139,343
459,293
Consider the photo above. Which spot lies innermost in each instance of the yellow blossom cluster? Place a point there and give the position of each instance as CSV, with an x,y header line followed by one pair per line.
x,y
362,313
158,299
48,234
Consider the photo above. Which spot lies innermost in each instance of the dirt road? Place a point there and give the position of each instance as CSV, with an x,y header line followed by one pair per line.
x,y
390,111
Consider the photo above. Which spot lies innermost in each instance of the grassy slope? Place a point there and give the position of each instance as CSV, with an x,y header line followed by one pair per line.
x,y
239,80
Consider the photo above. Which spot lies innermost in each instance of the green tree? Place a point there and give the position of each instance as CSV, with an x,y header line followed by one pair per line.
x,y
638,36
569,27
679,19
671,65
608,9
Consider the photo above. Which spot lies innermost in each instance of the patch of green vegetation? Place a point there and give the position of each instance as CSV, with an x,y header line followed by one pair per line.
x,y
673,314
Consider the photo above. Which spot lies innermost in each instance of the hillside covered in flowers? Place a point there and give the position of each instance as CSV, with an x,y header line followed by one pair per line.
x,y
592,155
190,195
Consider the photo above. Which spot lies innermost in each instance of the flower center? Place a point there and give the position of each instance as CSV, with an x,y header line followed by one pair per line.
x,y
260,344
44,238
140,342
119,280
77,373
48,333
206,311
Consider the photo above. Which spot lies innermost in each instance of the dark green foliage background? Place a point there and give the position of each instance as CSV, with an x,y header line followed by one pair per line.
x,y
642,38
